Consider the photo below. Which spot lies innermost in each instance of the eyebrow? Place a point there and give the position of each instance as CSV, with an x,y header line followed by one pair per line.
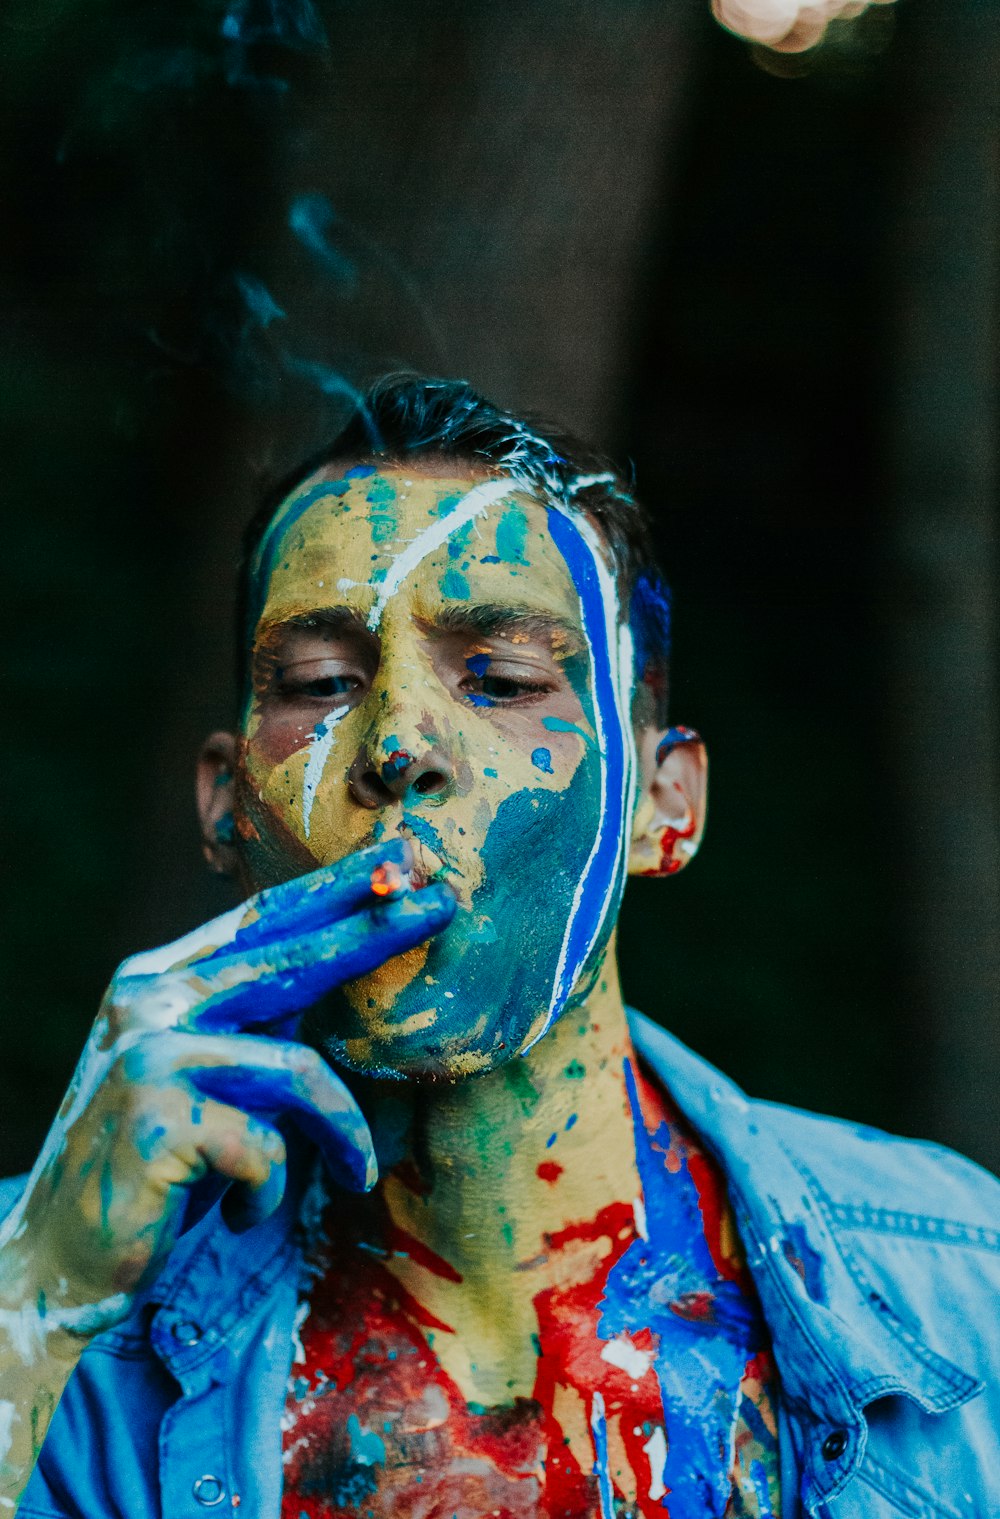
x,y
326,619
484,620
500,617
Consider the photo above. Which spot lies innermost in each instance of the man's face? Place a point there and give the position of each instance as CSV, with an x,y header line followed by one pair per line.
x,y
436,654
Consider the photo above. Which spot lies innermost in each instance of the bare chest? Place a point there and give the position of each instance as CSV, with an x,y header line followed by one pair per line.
x,y
374,1425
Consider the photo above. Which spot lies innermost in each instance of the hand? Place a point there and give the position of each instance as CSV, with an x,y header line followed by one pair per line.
x,y
178,1080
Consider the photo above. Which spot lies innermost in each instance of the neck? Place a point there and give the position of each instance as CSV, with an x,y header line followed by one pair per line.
x,y
496,1166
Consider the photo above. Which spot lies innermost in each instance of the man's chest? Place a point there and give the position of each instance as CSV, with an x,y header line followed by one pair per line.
x,y
632,1398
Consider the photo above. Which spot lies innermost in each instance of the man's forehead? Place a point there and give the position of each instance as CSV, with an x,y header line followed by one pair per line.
x,y
461,535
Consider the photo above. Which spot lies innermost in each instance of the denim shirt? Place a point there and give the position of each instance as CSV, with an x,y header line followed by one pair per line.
x,y
877,1263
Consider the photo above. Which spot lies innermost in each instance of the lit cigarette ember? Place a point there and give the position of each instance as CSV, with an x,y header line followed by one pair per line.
x,y
386,879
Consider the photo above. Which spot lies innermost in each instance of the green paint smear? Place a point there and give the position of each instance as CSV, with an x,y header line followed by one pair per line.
x,y
575,1071
521,1086
512,533
454,585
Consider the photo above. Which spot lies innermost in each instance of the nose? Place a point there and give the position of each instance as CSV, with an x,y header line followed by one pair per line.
x,y
401,775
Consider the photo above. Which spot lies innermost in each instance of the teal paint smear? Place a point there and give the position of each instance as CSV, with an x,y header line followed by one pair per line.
x,y
512,534
560,725
367,1448
458,543
454,585
382,517
445,506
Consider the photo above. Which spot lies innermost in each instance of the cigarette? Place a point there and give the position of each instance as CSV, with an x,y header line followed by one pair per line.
x,y
386,880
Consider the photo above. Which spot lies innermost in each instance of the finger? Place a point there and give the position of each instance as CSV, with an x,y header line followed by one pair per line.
x,y
276,980
267,1078
312,902
249,1169
246,1204
319,897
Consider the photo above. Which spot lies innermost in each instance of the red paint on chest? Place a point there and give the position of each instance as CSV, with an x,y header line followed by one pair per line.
x,y
375,1427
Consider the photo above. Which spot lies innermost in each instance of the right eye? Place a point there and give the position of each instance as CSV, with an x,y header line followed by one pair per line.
x,y
319,687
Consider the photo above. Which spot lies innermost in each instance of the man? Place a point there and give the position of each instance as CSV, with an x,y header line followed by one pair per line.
x,y
486,1244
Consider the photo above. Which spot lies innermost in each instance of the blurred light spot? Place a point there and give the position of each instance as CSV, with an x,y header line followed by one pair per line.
x,y
787,26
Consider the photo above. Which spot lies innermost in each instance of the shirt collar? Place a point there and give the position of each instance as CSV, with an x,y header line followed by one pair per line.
x,y
780,1212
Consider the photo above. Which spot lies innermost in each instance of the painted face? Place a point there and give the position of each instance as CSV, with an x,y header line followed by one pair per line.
x,y
442,656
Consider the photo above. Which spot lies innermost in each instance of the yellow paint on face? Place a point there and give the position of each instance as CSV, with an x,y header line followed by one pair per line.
x,y
331,693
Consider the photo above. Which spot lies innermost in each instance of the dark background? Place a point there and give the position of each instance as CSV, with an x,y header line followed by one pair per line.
x,y
769,281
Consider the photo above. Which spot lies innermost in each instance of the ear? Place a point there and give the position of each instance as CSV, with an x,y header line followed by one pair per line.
x,y
214,792
670,815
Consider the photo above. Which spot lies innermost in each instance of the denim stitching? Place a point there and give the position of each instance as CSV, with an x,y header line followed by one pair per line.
x,y
903,1492
915,1225
958,1380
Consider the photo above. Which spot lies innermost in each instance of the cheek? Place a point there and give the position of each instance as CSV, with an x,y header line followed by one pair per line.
x,y
283,763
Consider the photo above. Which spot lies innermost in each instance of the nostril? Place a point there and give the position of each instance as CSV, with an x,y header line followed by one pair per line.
x,y
430,782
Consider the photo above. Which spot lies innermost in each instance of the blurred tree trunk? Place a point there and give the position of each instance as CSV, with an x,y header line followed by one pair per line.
x,y
941,580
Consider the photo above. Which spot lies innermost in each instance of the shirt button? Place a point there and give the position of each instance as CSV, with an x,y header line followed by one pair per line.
x,y
209,1490
186,1332
834,1445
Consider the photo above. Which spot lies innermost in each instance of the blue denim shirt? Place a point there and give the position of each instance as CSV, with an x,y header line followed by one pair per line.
x,y
877,1262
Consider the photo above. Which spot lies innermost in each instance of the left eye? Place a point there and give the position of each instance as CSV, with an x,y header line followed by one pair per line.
x,y
503,688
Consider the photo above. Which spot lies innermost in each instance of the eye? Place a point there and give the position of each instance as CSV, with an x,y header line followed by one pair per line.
x,y
320,687
496,690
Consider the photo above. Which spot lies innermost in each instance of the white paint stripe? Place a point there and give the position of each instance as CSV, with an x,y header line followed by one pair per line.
x,y
27,1329
319,753
153,962
473,504
583,482
627,1357
656,1449
599,1430
8,1413
620,651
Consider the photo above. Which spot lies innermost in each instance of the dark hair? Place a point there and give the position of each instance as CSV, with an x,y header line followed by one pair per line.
x,y
408,415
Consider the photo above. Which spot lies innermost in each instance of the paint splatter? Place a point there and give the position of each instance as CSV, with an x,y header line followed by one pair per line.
x,y
512,534
454,585
542,760
605,1430
321,744
560,725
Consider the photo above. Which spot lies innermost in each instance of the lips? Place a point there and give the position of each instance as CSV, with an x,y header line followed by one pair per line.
x,y
427,866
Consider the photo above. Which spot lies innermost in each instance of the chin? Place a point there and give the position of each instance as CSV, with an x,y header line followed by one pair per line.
x,y
411,1042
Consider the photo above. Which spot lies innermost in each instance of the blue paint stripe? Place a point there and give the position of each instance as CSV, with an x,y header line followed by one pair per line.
x,y
605,872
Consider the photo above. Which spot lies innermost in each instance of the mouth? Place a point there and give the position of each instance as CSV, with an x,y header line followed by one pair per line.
x,y
427,865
